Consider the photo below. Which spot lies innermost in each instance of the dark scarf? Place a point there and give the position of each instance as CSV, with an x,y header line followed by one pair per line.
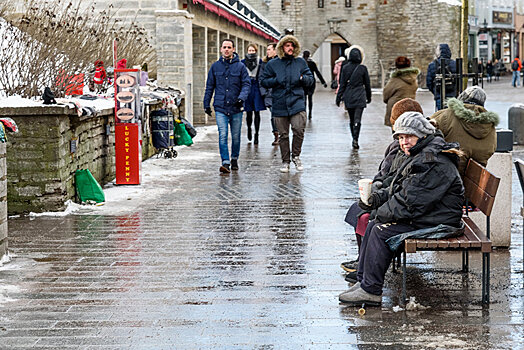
x,y
251,61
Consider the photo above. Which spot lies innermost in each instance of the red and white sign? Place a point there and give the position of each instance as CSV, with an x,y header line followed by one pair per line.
x,y
127,128
127,154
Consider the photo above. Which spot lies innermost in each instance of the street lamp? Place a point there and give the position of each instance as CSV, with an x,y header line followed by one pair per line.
x,y
485,24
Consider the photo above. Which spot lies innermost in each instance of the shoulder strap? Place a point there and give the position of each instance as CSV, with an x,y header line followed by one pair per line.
x,y
352,74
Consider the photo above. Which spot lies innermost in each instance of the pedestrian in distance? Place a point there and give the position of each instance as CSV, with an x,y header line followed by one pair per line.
x,y
354,90
489,71
500,69
402,84
309,91
337,69
271,52
433,84
516,66
426,191
254,102
467,122
229,80
287,75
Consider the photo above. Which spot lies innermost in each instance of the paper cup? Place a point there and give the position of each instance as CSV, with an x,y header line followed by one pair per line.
x,y
364,187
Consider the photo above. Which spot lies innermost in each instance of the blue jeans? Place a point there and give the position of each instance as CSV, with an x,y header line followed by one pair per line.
x,y
235,122
515,81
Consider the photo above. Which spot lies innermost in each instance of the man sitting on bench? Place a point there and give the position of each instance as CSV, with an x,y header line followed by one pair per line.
x,y
426,191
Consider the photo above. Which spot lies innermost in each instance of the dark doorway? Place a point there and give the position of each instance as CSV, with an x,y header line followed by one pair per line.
x,y
338,46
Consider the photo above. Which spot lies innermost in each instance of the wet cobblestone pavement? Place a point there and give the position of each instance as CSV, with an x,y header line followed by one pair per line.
x,y
245,261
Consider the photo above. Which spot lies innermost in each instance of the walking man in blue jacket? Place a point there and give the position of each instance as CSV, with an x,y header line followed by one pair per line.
x,y
287,76
229,80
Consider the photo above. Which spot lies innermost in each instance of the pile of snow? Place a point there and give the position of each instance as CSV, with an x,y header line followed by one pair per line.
x,y
452,2
414,306
17,101
5,290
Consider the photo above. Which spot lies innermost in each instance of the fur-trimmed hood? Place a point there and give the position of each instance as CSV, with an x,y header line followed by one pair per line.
x,y
476,120
409,75
286,39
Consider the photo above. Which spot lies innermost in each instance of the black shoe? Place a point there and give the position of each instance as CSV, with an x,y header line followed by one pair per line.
x,y
256,139
234,164
355,144
249,136
351,277
349,266
224,169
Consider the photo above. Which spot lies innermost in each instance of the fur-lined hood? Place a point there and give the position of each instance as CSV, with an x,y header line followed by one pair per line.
x,y
409,75
476,120
286,39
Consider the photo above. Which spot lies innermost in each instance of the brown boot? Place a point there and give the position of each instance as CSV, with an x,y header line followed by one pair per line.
x,y
275,142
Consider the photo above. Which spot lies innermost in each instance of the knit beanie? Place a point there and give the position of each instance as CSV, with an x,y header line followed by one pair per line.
x,y
402,106
402,62
473,95
413,123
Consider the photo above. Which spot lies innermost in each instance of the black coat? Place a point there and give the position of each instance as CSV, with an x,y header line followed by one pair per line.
x,y
314,70
427,189
355,89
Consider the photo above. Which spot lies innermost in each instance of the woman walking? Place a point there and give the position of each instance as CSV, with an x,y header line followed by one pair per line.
x,y
355,90
254,102
403,84
337,69
309,91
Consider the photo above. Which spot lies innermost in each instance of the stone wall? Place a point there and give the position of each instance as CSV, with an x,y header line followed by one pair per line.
x,y
3,201
385,29
40,161
414,29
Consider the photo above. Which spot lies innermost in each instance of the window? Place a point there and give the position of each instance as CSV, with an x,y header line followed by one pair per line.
x,y
348,3
320,4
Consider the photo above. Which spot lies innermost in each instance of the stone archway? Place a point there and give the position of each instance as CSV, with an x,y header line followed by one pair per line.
x,y
328,51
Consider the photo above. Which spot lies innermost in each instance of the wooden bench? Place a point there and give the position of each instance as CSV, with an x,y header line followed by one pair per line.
x,y
480,189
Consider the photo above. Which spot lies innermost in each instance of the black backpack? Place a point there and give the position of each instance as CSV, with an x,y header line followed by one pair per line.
x,y
514,65
450,82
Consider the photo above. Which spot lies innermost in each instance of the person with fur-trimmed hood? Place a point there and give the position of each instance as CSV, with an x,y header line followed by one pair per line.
x,y
426,191
354,90
287,76
467,122
403,84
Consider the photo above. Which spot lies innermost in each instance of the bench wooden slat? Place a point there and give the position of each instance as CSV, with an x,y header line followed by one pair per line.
x,y
472,228
453,243
442,243
422,243
480,186
410,246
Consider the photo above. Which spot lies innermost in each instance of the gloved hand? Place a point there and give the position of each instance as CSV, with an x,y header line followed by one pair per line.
x,y
364,206
325,85
208,111
239,103
368,101
337,103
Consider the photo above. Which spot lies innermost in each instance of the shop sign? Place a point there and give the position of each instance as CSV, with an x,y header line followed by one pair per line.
x,y
501,17
127,130
127,154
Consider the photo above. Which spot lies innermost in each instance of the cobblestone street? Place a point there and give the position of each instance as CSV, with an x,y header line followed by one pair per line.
x,y
248,260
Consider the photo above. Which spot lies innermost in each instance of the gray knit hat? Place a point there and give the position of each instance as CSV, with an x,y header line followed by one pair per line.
x,y
473,95
413,123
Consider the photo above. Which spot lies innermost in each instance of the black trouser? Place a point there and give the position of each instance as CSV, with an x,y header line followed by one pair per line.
x,y
355,117
375,255
309,99
249,120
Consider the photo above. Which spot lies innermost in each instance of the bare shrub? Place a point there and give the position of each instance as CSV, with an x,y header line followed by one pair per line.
x,y
53,39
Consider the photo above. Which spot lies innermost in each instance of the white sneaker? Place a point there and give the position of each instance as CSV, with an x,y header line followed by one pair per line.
x,y
285,168
298,163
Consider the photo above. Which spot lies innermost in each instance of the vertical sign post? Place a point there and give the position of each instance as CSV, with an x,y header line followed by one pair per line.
x,y
128,152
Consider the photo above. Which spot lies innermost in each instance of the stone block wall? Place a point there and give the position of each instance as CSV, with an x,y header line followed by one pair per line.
x,y
41,164
3,201
200,68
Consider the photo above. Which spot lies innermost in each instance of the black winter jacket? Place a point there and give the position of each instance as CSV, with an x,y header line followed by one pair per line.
x,y
287,76
355,89
427,189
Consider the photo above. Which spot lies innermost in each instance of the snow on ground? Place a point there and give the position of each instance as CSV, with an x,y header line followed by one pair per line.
x,y
158,175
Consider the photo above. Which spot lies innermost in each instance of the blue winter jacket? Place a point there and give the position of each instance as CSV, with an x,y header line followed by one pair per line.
x,y
229,79
443,52
287,76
